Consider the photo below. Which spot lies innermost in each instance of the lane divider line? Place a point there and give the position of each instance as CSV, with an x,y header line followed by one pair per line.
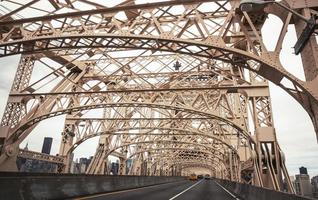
x,y
186,190
232,195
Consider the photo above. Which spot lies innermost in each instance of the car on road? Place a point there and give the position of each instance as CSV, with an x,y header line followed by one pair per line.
x,y
193,177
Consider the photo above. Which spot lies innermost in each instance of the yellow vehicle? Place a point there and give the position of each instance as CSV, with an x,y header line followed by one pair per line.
x,y
193,177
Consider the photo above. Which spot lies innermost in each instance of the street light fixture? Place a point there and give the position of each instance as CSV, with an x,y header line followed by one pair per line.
x,y
253,5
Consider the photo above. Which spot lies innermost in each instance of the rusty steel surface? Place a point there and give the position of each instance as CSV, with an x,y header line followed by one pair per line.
x,y
175,84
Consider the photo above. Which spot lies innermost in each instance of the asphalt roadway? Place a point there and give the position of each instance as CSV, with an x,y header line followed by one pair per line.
x,y
183,190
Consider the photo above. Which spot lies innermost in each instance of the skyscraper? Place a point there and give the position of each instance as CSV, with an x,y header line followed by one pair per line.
x,y
114,168
314,184
303,170
47,144
302,183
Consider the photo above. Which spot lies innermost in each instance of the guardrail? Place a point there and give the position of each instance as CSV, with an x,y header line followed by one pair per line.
x,y
14,186
250,192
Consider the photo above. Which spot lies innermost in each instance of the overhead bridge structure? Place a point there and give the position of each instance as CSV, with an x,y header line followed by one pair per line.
x,y
170,85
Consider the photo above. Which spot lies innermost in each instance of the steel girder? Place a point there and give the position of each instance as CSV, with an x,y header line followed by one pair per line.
x,y
166,132
213,131
164,32
172,157
84,51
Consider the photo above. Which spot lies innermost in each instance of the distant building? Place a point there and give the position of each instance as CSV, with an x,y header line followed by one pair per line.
x,y
26,146
303,170
129,163
314,184
80,166
72,163
108,166
114,168
47,144
302,183
83,164
285,183
38,166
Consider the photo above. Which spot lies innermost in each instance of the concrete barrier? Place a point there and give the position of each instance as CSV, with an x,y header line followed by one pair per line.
x,y
249,192
60,186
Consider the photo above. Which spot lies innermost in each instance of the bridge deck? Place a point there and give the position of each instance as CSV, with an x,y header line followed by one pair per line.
x,y
185,190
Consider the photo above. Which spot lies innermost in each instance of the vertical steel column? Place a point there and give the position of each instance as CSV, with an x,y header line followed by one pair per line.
x,y
14,111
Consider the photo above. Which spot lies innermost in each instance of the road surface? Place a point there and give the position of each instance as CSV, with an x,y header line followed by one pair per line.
x,y
183,190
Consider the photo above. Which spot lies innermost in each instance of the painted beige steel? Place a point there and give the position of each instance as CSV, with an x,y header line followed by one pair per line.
x,y
181,84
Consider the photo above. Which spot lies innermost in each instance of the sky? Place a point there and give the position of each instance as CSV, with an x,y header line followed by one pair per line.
x,y
294,129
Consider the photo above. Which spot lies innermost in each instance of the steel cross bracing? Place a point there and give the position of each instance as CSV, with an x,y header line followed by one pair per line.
x,y
147,27
40,156
172,85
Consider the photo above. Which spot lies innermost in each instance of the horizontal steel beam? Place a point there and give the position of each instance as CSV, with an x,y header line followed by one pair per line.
x,y
103,11
233,89
40,156
130,119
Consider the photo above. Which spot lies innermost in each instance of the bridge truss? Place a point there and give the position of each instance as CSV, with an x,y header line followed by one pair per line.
x,y
171,85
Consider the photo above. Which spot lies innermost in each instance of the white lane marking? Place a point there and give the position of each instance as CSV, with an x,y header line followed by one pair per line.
x,y
122,191
186,190
232,195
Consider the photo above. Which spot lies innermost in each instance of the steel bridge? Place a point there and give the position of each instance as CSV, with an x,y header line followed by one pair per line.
x,y
173,85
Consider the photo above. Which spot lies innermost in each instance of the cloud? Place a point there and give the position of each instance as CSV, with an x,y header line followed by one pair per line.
x,y
8,67
294,129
